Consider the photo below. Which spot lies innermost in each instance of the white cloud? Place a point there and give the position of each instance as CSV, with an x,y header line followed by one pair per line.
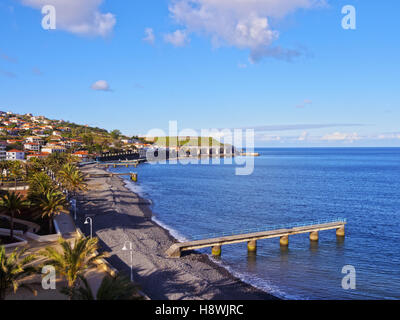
x,y
77,16
101,85
149,36
338,136
270,138
240,23
386,136
304,136
178,38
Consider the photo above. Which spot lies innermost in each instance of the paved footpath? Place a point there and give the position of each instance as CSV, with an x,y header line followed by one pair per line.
x,y
94,276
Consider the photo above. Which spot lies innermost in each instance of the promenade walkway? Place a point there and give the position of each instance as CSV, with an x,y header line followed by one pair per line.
x,y
94,276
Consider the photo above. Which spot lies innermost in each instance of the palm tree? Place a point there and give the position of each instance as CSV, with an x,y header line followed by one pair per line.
x,y
77,182
16,171
72,178
35,165
55,161
12,203
73,260
13,269
111,288
65,173
50,204
40,183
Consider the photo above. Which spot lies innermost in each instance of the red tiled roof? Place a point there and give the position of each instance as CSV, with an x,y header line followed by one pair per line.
x,y
43,154
15,150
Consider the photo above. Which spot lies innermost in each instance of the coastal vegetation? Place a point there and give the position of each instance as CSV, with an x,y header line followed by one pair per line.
x,y
117,287
73,260
13,269
12,204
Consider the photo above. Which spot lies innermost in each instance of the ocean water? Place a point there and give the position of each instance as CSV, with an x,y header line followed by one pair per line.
x,y
288,186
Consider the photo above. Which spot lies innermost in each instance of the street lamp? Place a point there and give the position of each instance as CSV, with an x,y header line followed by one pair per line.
x,y
125,248
73,203
90,220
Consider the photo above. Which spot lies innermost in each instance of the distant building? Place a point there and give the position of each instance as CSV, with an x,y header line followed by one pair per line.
x,y
41,155
54,149
83,155
35,139
64,129
15,154
32,146
12,141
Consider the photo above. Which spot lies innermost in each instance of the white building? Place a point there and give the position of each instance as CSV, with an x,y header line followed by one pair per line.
x,y
53,149
15,155
32,146
35,139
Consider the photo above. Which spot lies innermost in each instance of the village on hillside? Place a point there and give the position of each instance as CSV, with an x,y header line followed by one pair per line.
x,y
23,137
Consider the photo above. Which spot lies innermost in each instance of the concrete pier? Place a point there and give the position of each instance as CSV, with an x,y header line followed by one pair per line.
x,y
176,249
216,251
284,241
252,246
314,236
340,232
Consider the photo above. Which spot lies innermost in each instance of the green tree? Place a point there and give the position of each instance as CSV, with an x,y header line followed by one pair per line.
x,y
11,204
50,204
16,171
73,260
88,139
111,288
13,269
39,184
115,134
72,178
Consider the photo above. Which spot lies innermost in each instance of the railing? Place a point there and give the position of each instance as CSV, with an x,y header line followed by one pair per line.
x,y
267,228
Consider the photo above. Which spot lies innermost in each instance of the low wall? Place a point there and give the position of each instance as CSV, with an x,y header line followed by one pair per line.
x,y
17,235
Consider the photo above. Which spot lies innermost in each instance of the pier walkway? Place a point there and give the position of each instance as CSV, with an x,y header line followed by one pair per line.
x,y
251,237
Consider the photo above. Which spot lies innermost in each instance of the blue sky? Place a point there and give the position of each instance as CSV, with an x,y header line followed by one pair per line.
x,y
313,83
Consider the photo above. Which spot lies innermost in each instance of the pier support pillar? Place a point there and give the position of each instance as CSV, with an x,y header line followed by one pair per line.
x,y
340,232
284,241
115,165
252,246
216,251
314,236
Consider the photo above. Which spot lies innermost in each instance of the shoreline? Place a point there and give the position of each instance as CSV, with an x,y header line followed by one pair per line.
x,y
194,276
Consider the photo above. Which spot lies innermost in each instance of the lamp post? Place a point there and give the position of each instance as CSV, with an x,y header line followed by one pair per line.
x,y
73,203
90,220
125,248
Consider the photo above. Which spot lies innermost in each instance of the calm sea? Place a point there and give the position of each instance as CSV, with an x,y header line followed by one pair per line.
x,y
287,186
